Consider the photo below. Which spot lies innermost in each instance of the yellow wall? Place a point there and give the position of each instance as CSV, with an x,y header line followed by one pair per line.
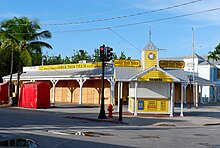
x,y
155,75
153,105
146,61
149,105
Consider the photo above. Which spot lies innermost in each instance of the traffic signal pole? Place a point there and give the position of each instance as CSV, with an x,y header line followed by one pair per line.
x,y
102,114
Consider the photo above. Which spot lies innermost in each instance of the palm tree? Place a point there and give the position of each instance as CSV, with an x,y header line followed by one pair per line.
x,y
213,55
8,45
26,38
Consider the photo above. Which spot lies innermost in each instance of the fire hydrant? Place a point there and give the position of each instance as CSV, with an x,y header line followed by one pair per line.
x,y
110,109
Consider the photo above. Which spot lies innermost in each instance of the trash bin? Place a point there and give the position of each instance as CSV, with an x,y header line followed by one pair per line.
x,y
14,99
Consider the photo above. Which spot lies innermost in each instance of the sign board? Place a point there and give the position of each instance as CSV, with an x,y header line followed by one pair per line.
x,y
140,104
70,66
171,64
127,63
150,105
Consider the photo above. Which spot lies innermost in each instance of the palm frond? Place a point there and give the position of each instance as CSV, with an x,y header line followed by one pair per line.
x,y
42,35
37,44
26,58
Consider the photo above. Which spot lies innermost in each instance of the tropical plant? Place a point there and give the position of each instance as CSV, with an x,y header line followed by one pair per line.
x,y
213,55
80,55
95,56
122,56
23,34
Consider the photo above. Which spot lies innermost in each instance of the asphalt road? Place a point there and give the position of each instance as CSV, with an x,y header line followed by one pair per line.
x,y
51,128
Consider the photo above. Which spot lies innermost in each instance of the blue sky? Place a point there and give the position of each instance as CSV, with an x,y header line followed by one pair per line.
x,y
174,35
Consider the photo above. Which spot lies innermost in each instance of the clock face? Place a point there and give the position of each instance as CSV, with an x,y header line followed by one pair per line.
x,y
151,56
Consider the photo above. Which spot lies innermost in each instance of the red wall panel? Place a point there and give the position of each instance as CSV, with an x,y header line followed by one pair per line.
x,y
35,95
3,93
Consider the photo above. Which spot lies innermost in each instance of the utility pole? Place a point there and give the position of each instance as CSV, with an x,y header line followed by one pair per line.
x,y
193,56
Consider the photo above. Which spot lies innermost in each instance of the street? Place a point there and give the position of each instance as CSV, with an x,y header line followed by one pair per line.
x,y
52,128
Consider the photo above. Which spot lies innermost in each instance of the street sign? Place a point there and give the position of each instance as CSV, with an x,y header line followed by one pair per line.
x,y
171,64
127,63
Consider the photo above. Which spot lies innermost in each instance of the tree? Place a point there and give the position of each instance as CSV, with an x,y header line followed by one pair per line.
x,y
213,55
95,56
80,55
122,56
26,39
66,60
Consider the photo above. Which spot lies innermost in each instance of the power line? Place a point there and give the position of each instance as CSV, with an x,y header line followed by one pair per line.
x,y
118,17
133,24
124,39
84,16
143,22
124,16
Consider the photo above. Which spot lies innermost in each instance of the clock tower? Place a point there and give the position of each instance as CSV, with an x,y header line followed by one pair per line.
x,y
149,56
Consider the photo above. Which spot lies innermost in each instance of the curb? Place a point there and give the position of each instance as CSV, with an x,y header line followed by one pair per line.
x,y
97,120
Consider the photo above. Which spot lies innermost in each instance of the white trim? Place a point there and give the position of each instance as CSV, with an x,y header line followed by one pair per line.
x,y
81,82
54,82
134,78
172,100
119,86
135,98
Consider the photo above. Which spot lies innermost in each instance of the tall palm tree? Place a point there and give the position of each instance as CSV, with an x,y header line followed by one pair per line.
x,y
9,45
24,33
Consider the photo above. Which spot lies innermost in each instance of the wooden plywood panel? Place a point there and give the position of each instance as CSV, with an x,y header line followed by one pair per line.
x,y
177,92
97,91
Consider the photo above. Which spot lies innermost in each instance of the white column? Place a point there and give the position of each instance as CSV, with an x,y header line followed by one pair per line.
x,y
172,100
54,82
184,86
182,99
197,96
135,98
112,90
81,82
119,95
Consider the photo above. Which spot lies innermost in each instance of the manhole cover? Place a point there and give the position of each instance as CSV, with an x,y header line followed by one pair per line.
x,y
28,143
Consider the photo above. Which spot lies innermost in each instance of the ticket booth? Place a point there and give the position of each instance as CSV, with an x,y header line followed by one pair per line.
x,y
151,92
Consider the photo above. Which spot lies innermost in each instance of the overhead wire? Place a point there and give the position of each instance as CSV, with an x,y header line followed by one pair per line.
x,y
133,24
120,17
124,39
143,22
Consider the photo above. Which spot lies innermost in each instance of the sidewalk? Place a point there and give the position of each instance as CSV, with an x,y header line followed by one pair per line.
x,y
205,115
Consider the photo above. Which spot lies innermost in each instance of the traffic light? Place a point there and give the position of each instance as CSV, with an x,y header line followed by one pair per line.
x,y
109,53
102,52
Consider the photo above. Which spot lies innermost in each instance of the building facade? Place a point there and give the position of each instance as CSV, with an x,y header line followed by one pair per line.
x,y
147,86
